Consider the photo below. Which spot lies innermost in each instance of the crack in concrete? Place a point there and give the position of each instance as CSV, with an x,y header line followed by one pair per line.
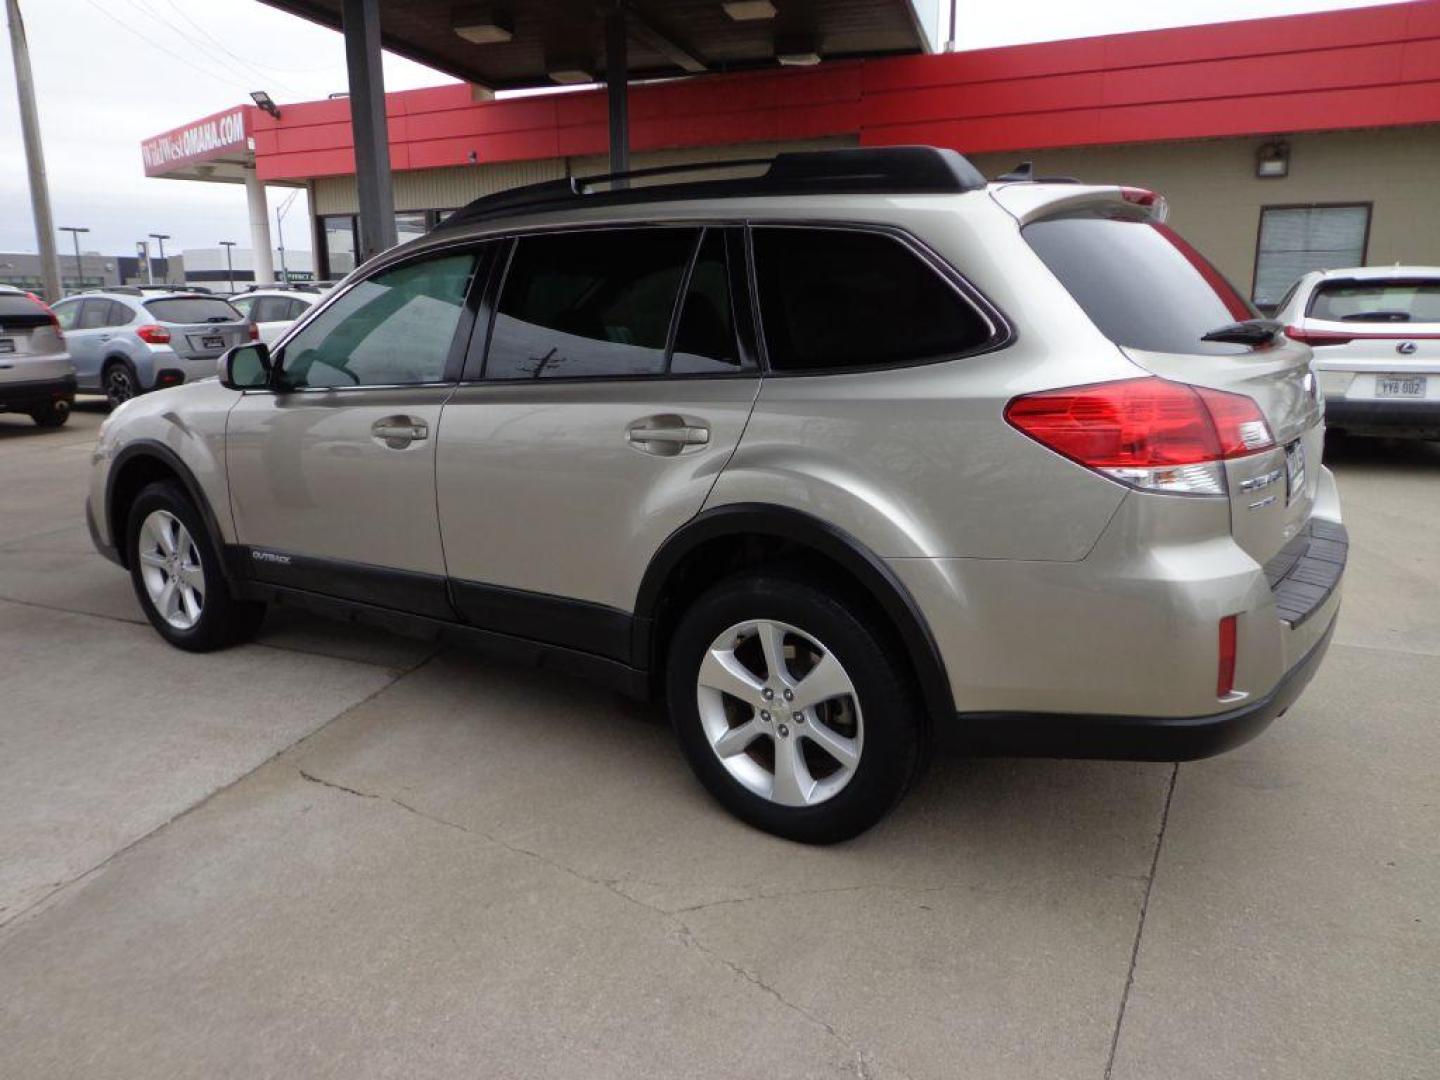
x,y
683,933
1140,924
918,890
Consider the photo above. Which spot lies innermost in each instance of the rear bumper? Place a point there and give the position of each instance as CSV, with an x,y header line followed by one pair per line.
x,y
1134,738
1388,415
24,396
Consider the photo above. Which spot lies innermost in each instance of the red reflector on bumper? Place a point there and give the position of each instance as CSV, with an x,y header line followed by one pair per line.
x,y
1225,678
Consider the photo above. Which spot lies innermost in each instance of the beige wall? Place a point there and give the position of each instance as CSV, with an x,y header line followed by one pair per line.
x,y
1215,198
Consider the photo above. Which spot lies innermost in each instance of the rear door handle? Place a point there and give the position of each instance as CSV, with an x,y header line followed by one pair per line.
x,y
398,432
667,435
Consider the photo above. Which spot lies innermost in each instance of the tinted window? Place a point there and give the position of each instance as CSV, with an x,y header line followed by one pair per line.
x,y
192,309
395,328
23,306
271,309
705,337
243,304
1141,284
588,304
119,315
93,314
296,309
68,314
833,299
1377,300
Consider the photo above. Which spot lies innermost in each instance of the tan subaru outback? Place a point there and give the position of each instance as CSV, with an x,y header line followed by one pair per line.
x,y
844,456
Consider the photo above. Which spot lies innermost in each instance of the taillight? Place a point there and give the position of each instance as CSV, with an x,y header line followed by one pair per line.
x,y
254,332
1225,675
1318,337
1149,432
49,311
153,335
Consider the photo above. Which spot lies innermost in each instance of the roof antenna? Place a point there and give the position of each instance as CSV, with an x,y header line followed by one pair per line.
x,y
1023,172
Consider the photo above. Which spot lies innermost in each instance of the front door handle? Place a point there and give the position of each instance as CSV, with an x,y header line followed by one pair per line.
x,y
398,432
667,435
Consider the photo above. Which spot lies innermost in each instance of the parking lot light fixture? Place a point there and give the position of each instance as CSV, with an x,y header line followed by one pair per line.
x,y
228,245
75,232
165,266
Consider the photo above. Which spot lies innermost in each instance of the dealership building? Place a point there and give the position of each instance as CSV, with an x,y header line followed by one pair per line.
x,y
1281,144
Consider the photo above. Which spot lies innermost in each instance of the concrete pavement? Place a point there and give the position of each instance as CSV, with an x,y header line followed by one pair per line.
x,y
335,853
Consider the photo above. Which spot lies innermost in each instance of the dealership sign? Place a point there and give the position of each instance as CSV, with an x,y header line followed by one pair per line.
x,y
200,141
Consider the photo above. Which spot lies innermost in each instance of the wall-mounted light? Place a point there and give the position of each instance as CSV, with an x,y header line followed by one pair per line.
x,y
1272,161
482,25
749,10
264,102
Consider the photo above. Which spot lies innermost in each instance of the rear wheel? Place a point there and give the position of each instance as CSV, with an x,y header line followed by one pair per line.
x,y
795,716
51,415
175,569
119,382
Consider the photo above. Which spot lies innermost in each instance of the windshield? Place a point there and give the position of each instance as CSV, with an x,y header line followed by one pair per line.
x,y
1140,282
1377,300
192,309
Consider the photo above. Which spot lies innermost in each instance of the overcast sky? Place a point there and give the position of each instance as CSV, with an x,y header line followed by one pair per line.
x,y
110,73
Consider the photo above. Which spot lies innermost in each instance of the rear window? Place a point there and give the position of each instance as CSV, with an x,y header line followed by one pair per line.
x,y
192,309
21,309
1377,300
1140,282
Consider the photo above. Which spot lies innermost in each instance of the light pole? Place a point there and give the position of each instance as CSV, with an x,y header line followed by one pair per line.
x,y
34,155
229,266
162,237
79,266
280,212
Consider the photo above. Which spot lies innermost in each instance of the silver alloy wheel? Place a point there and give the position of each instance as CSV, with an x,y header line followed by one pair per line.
x,y
119,386
780,712
171,569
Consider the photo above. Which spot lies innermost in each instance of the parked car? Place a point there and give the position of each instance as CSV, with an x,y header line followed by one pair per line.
x,y
838,459
1376,335
125,341
36,375
273,310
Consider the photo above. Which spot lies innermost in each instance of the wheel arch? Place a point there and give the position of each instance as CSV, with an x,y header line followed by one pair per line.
x,y
687,563
139,464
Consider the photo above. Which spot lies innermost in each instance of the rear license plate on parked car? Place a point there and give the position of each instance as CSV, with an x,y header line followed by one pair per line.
x,y
1294,471
1400,386
213,342
7,344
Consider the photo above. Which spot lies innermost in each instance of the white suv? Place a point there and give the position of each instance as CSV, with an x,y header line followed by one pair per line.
x,y
855,453
1376,335
36,373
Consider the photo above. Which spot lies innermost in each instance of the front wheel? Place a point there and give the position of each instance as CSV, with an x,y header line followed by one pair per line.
x,y
175,569
791,711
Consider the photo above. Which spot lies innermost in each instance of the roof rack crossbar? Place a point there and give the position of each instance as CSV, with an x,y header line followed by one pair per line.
x,y
894,170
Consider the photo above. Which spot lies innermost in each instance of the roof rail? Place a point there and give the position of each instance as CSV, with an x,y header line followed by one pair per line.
x,y
891,170
124,290
1024,173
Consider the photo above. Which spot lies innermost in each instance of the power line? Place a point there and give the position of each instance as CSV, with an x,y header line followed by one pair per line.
x,y
151,43
255,64
235,64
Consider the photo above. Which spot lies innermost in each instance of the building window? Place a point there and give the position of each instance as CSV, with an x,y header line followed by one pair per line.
x,y
339,235
1297,239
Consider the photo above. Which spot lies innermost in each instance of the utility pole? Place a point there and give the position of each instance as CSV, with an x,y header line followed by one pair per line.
x,y
34,155
79,263
162,237
229,267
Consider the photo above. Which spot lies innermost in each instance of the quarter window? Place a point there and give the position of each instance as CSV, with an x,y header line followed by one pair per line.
x,y
94,314
832,299
589,304
395,328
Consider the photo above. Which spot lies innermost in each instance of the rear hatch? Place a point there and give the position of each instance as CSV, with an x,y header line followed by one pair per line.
x,y
1375,337
201,327
29,338
1157,298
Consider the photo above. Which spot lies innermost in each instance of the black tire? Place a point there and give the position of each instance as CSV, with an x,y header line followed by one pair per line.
x,y
223,620
119,383
52,415
893,746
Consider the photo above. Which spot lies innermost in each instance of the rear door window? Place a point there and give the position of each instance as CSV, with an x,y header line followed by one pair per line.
x,y
837,299
594,304
705,341
1377,300
192,309
94,314
1140,282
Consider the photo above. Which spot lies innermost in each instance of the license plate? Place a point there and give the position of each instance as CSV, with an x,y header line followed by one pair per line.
x,y
214,341
1400,386
1294,471
7,344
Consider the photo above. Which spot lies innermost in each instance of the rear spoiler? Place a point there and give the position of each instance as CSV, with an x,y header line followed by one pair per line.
x,y
1029,200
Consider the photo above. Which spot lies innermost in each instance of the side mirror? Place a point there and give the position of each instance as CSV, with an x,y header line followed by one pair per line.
x,y
246,367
